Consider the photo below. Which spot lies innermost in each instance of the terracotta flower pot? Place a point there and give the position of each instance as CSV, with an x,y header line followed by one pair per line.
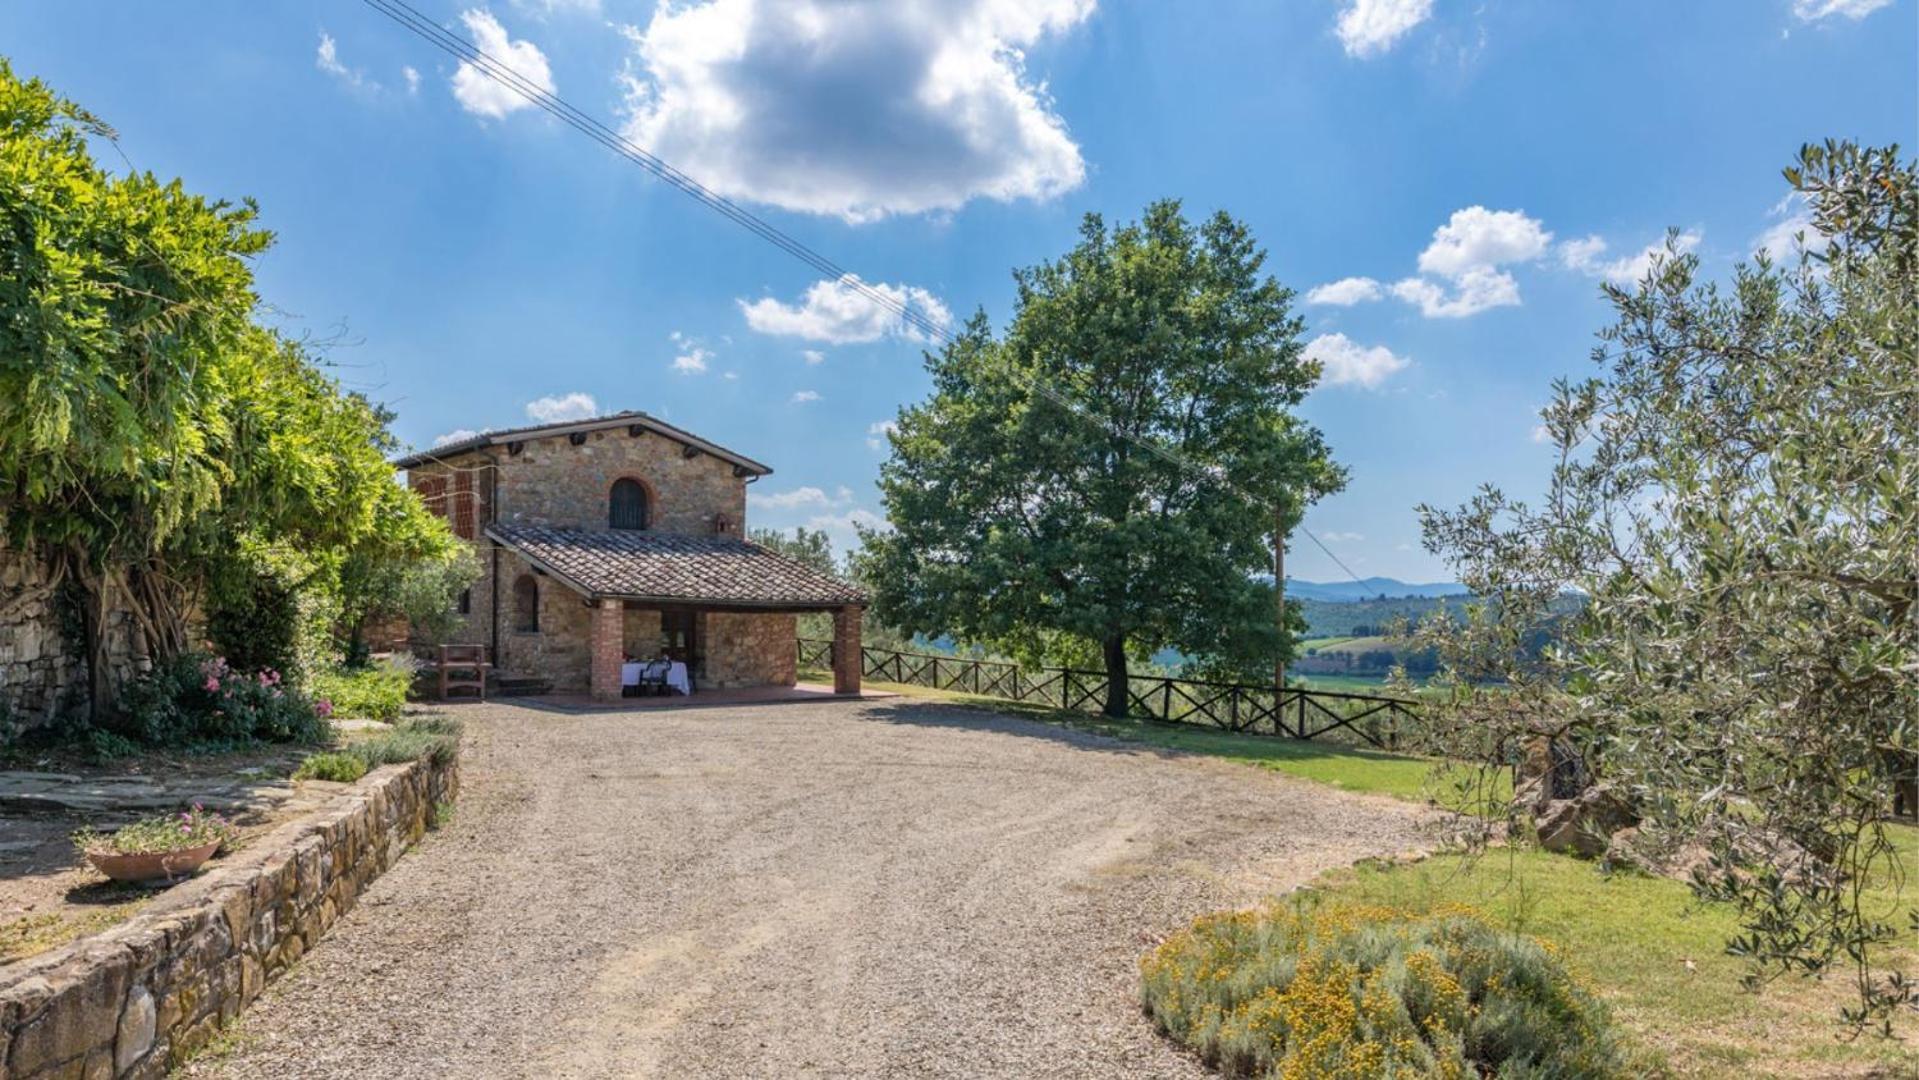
x,y
152,865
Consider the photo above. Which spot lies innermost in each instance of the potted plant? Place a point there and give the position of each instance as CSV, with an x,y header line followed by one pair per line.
x,y
156,848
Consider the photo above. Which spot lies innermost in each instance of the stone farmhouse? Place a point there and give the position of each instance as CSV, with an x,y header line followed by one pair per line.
x,y
622,537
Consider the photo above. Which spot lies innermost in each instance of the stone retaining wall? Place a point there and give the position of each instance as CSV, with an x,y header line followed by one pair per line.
x,y
133,1000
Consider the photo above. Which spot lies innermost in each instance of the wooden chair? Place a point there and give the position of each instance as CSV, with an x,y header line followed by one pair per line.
x,y
463,667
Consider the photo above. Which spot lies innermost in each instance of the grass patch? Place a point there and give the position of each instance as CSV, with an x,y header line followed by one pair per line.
x,y
32,935
1350,768
1656,956
340,768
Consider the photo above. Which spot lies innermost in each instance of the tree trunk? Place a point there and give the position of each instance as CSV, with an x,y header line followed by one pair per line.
x,y
1116,677
93,622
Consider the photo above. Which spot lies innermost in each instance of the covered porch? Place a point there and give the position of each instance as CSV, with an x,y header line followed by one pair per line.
x,y
686,616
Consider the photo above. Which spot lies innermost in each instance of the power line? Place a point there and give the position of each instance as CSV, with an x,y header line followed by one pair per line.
x,y
933,330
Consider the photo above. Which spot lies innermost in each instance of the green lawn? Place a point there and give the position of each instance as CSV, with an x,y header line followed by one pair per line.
x,y
1658,957
1353,769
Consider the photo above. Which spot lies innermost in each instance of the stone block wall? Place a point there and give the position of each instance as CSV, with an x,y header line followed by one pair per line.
x,y
748,649
553,482
561,650
42,672
134,1000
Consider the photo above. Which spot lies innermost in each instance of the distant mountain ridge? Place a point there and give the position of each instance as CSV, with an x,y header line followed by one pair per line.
x,y
1347,592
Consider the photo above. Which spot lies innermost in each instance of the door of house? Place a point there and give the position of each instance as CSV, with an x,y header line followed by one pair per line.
x,y
679,638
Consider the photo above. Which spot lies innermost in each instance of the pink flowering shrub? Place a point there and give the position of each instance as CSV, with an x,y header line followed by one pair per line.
x,y
199,699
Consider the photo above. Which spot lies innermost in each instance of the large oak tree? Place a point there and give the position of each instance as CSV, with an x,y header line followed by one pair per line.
x,y
1106,478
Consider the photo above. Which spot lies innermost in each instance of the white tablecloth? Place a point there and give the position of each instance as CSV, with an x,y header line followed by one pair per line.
x,y
675,675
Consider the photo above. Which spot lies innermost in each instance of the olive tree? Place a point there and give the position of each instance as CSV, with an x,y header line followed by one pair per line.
x,y
1735,498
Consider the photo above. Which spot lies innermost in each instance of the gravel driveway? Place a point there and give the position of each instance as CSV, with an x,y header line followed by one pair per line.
x,y
844,889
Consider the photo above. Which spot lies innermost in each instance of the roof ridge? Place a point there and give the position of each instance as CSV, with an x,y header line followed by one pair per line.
x,y
484,439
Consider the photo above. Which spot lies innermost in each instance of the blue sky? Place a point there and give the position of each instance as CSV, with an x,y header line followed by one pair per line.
x,y
1465,174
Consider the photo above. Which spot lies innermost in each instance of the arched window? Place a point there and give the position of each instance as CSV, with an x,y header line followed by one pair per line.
x,y
626,507
526,604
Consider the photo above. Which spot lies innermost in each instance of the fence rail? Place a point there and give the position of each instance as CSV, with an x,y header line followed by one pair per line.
x,y
1239,707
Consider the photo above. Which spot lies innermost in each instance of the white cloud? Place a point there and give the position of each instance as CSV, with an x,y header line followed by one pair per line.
x,y
412,76
1634,268
1793,231
805,397
559,407
730,376
1542,433
798,498
1468,252
1584,255
1346,362
832,514
327,59
1811,10
1477,290
456,435
478,93
837,313
1370,27
1476,238
813,356
854,110
878,432
842,528
545,8
1345,292
692,361
1341,537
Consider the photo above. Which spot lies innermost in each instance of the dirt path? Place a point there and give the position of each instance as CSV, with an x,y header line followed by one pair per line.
x,y
873,889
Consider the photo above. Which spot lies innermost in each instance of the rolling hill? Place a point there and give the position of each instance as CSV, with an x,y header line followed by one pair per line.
x,y
1372,588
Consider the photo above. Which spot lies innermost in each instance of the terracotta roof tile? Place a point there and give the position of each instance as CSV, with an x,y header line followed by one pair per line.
x,y
720,570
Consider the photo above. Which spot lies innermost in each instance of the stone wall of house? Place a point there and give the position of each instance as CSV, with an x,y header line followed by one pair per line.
x,y
134,1000
561,650
43,671
748,648
553,482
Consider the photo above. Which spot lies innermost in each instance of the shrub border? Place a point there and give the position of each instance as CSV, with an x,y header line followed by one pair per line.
x,y
136,999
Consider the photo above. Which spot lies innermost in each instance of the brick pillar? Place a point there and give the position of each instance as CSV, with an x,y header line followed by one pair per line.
x,y
846,650
609,626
